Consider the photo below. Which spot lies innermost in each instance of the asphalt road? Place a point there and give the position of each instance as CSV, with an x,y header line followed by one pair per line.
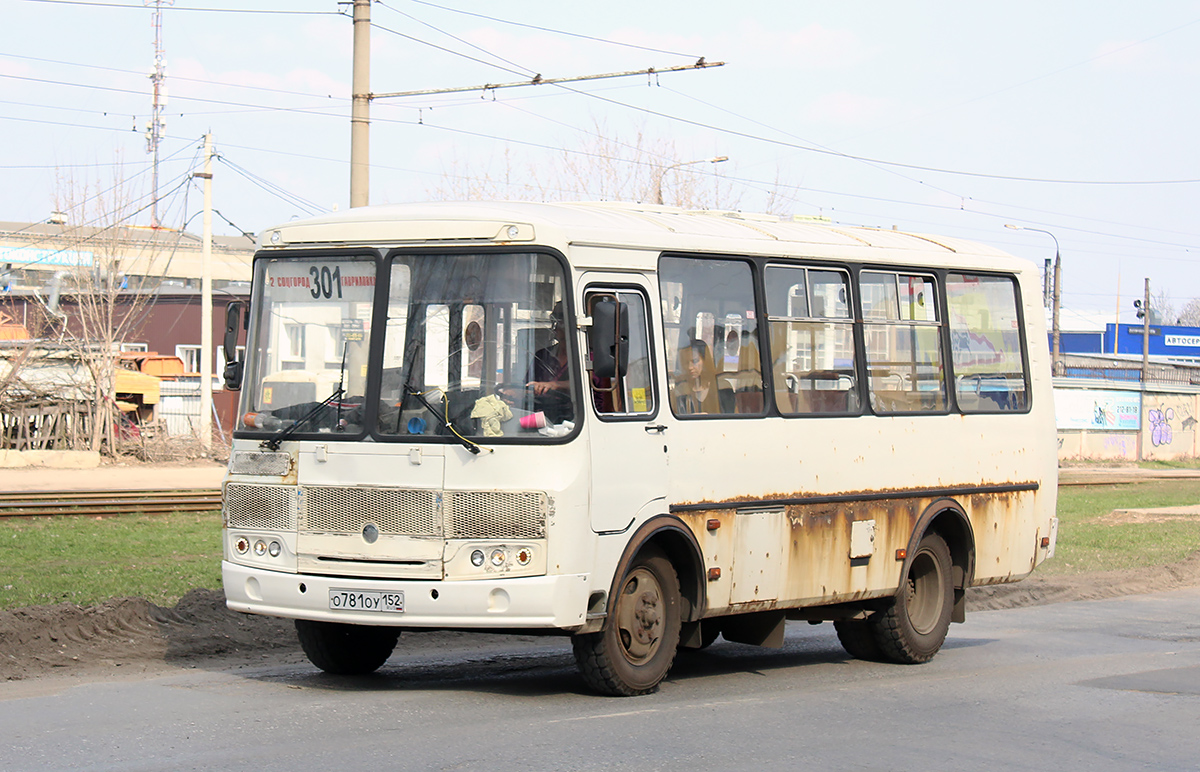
x,y
1094,685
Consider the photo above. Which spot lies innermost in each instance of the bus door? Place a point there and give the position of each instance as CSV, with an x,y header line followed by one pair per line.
x,y
627,441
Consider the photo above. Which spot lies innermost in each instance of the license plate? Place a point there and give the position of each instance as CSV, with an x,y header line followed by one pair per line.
x,y
366,600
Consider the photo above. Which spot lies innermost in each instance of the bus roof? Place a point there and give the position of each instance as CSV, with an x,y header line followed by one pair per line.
x,y
622,225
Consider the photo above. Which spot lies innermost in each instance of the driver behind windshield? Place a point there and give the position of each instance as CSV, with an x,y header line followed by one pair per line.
x,y
548,377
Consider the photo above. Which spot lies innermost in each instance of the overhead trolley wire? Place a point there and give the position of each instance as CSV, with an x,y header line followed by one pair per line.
x,y
546,29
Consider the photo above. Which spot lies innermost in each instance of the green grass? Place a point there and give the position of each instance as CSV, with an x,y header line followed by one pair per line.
x,y
1085,544
1180,463
87,560
161,557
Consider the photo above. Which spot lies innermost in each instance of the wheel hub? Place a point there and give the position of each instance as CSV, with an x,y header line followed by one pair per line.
x,y
640,616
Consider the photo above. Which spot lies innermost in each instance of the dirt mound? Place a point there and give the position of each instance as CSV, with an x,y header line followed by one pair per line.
x,y
1038,589
134,634
130,631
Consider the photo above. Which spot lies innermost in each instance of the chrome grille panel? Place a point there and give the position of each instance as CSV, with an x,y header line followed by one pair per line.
x,y
394,511
495,514
260,506
260,462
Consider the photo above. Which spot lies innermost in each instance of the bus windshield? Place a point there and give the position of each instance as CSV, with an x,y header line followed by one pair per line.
x,y
474,346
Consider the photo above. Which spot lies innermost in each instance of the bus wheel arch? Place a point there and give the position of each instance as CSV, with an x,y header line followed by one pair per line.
x,y
948,519
655,590
937,569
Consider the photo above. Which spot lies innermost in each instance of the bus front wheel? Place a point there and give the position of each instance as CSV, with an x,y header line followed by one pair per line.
x,y
635,650
346,649
912,629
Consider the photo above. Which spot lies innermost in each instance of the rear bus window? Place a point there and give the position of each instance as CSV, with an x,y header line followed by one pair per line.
x,y
985,344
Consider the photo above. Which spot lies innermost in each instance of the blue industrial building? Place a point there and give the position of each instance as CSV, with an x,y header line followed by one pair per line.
x,y
1167,342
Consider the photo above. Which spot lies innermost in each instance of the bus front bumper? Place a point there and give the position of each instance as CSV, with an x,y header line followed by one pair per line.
x,y
538,602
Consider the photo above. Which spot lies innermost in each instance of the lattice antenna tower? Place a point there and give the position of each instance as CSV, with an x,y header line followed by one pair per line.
x,y
155,126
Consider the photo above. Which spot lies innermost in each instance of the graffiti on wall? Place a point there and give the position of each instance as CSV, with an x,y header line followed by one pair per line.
x,y
1169,416
1160,426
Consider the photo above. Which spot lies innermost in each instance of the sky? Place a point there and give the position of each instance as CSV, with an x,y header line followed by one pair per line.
x,y
1077,119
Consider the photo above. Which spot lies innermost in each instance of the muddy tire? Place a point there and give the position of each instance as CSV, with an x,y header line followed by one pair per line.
x,y
912,629
635,650
857,637
346,649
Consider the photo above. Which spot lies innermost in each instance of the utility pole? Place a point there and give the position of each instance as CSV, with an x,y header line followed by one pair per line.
x,y
206,294
1056,304
360,111
154,129
1146,335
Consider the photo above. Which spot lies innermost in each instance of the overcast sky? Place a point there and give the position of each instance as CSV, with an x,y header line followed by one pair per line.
x,y
1078,118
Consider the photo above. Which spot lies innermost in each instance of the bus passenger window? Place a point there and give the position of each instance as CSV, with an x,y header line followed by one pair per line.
x,y
630,392
812,340
903,343
711,337
985,344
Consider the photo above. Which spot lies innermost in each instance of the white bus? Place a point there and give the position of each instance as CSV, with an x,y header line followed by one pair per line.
x,y
639,426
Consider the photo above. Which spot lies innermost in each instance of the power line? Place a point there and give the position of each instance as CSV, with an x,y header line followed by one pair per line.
x,y
178,78
545,29
180,8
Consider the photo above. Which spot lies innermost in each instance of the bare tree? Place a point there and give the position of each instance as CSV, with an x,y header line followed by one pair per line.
x,y
1162,310
100,305
606,167
1190,315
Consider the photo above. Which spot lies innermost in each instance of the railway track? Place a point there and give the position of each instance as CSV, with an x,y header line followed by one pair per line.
x,y
102,503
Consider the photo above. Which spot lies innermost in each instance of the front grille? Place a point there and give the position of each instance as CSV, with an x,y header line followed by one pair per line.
x,y
260,462
260,506
495,514
394,511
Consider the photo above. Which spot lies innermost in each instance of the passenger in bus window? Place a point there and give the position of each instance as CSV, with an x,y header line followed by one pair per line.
x,y
697,391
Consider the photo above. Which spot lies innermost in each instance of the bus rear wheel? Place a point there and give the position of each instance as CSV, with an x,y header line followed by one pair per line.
x,y
346,649
635,650
913,628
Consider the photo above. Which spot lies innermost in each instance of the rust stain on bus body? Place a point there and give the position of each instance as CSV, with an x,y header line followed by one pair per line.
x,y
815,567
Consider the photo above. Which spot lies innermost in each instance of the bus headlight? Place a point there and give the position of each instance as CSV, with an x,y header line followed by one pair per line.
x,y
499,557
274,548
477,558
260,548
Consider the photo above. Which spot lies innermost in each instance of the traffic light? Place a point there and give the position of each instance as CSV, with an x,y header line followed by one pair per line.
x,y
1141,312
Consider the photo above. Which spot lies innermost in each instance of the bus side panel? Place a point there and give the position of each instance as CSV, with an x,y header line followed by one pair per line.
x,y
795,553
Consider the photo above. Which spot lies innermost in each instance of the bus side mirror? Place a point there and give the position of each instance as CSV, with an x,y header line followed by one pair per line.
x,y
608,338
233,368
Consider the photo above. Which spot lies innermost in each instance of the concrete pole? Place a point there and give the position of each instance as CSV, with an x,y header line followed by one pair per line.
x,y
1146,335
206,301
360,111
1056,304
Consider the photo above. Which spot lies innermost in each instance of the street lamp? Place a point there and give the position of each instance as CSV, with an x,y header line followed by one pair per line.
x,y
658,196
1056,296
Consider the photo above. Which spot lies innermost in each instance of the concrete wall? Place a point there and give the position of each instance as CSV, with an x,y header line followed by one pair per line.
x,y
1103,421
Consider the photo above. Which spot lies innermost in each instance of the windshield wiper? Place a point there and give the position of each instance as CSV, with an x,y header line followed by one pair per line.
x,y
272,442
444,420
